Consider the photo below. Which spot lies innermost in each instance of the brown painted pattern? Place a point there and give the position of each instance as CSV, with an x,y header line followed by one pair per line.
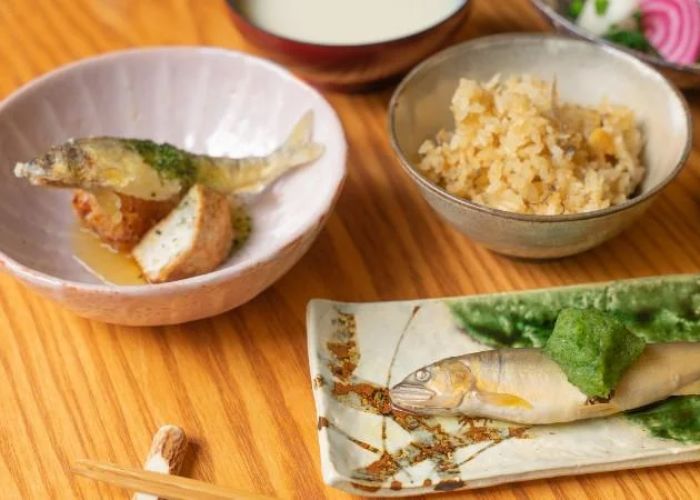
x,y
429,440
239,384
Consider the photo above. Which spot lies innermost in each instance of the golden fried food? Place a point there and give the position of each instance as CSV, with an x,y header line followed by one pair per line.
x,y
119,220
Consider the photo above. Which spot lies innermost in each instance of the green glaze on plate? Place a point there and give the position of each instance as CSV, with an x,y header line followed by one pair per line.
x,y
676,418
656,309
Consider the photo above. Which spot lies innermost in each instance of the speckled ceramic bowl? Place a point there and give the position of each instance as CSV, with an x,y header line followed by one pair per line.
x,y
555,12
206,100
585,73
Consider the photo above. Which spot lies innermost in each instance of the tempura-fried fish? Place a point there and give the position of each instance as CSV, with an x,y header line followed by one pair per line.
x,y
146,170
525,386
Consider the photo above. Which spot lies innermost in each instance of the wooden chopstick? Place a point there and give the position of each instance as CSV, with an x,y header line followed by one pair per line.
x,y
163,485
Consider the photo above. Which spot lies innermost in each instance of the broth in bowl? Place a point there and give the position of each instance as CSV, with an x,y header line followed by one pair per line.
x,y
339,22
348,45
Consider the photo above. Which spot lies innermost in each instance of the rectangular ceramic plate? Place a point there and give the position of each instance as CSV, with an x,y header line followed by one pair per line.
x,y
357,351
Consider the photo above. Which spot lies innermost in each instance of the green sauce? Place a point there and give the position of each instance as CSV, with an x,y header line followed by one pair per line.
x,y
654,309
593,349
169,161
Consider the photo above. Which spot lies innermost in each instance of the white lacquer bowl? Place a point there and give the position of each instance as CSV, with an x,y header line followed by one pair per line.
x,y
205,100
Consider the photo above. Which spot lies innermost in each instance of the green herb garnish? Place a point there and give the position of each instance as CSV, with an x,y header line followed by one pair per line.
x,y
630,35
632,39
601,7
242,226
575,8
169,161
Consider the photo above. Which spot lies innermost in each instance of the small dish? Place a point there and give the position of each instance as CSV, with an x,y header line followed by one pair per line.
x,y
202,99
554,12
358,351
585,74
347,67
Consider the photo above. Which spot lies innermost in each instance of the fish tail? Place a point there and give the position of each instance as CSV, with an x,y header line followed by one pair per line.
x,y
298,149
252,175
301,133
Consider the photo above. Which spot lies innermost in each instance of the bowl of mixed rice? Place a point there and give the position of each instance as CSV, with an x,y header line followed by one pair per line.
x,y
538,146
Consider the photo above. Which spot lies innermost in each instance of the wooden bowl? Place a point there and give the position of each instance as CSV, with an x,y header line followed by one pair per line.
x,y
350,67
203,99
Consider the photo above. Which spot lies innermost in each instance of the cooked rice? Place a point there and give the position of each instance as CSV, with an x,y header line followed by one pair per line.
x,y
516,148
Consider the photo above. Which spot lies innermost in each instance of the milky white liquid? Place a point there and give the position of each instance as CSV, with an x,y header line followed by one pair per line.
x,y
347,22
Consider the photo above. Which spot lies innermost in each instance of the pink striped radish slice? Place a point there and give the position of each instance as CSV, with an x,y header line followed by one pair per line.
x,y
673,28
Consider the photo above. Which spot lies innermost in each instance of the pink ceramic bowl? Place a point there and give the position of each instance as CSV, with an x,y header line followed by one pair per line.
x,y
351,67
203,99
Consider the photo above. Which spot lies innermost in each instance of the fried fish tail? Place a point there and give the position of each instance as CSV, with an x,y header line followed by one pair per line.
x,y
253,174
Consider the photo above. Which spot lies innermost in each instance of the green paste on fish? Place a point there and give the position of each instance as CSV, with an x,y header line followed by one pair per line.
x,y
593,349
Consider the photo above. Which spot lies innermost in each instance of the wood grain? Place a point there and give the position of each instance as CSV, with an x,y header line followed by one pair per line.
x,y
238,384
166,455
157,483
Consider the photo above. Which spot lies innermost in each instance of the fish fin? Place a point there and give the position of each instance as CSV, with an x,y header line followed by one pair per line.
x,y
688,390
297,156
298,149
301,133
504,399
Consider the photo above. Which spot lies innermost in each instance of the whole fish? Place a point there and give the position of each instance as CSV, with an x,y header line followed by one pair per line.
x,y
147,170
525,386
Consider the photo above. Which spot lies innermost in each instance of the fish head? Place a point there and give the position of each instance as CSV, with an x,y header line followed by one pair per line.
x,y
436,388
56,167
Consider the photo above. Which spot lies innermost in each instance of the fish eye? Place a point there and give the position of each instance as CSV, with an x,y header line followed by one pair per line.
x,y
423,375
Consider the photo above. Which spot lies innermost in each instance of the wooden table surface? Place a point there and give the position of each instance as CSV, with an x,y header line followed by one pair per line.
x,y
239,383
